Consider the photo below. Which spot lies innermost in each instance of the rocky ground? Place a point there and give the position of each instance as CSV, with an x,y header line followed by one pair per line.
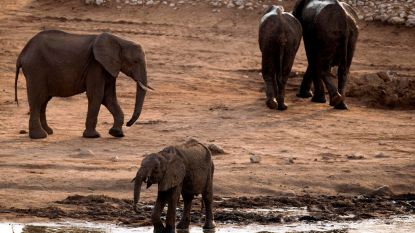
x,y
398,12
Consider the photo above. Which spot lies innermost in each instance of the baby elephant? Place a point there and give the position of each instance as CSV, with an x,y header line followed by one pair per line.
x,y
279,38
186,169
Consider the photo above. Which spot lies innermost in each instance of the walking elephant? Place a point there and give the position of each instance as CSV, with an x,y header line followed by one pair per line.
x,y
56,63
186,169
279,38
330,34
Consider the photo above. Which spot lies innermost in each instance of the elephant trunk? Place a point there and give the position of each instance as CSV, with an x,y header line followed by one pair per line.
x,y
140,95
137,188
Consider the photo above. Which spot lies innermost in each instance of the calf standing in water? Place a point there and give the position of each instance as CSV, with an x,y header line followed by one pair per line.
x,y
279,38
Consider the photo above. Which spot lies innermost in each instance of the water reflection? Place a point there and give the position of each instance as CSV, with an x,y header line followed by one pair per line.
x,y
398,224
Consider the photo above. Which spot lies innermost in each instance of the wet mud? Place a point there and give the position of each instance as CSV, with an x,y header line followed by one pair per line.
x,y
240,210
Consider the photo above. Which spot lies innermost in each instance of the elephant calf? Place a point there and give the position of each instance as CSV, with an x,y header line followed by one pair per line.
x,y
279,38
56,63
186,169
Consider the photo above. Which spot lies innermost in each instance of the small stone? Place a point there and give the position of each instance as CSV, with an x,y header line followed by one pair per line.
x,y
85,152
255,158
396,20
22,131
172,5
383,191
355,156
230,5
381,155
115,158
291,160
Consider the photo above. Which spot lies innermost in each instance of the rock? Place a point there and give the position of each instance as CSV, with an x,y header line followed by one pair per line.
x,y
115,158
239,2
383,191
172,5
355,156
149,3
381,155
410,22
230,5
384,76
216,150
255,158
85,152
22,131
291,160
396,20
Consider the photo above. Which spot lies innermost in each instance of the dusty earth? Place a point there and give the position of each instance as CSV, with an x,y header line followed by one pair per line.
x,y
205,68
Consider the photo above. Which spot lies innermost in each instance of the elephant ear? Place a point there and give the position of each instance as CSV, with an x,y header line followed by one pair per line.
x,y
175,170
107,52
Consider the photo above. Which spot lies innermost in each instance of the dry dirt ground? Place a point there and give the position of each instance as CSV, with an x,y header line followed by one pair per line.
x,y
205,68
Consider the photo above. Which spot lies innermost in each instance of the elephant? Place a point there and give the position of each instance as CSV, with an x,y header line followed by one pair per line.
x,y
279,39
60,64
330,34
186,169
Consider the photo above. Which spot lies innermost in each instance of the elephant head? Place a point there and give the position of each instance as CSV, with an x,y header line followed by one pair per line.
x,y
115,55
166,168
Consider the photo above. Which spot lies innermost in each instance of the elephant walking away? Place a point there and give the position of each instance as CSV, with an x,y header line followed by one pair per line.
x,y
279,39
186,169
56,63
330,35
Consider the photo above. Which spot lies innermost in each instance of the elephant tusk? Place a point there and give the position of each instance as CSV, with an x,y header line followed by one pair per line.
x,y
144,87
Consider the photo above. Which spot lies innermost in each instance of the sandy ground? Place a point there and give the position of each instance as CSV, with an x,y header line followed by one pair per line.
x,y
205,67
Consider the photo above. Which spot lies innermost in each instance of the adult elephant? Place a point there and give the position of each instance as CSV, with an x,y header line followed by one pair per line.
x,y
186,169
279,39
56,63
330,34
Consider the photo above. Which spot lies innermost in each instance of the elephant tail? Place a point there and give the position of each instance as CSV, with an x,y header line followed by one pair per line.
x,y
18,66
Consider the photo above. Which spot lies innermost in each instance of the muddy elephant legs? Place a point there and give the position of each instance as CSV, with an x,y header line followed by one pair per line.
x,y
185,220
342,78
95,93
208,200
111,103
37,105
161,201
43,121
268,73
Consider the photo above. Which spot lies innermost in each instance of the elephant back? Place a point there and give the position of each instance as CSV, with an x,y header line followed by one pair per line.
x,y
193,150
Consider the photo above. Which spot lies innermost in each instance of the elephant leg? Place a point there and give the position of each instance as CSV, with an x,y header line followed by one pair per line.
x,y
319,94
95,93
36,99
281,82
185,221
305,88
171,211
43,121
208,200
323,73
342,78
111,103
161,201
268,74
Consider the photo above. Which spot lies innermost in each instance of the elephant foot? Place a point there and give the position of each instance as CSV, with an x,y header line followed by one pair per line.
x,y
169,229
183,225
319,98
271,104
341,106
304,94
159,228
48,129
336,99
282,106
209,225
116,132
38,133
91,134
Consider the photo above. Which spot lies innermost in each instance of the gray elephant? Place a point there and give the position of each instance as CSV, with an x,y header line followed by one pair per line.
x,y
56,63
186,169
330,35
279,39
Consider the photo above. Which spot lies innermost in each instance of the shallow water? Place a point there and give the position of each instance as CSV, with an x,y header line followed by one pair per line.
x,y
399,224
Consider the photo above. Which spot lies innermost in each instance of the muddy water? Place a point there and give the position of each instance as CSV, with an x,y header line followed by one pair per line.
x,y
398,224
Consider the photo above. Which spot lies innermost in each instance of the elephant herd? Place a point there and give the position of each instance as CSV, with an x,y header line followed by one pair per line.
x,y
60,64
